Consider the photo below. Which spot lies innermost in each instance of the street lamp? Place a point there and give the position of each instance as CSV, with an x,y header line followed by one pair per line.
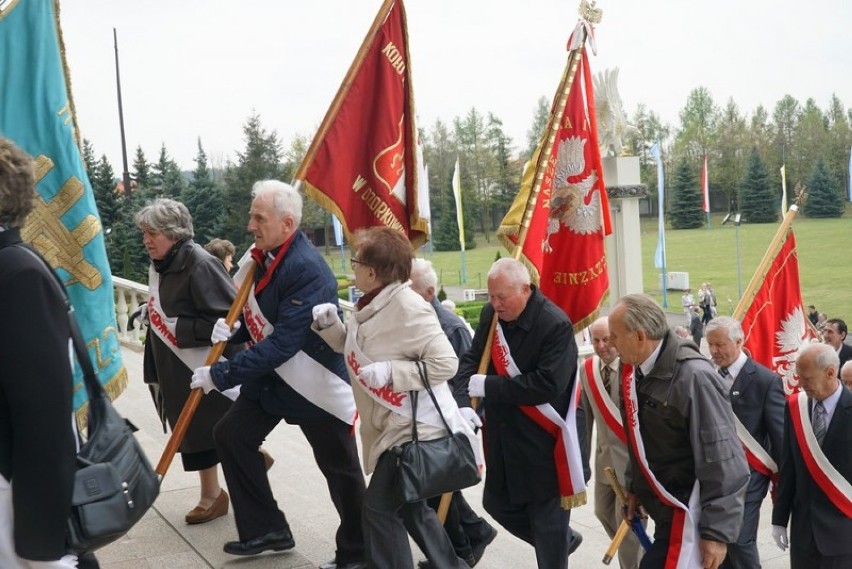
x,y
737,219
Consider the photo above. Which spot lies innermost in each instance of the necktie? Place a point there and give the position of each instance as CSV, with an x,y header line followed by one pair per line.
x,y
637,373
607,377
723,371
819,422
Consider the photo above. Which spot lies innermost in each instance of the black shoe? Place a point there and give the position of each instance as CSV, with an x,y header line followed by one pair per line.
x,y
351,565
576,540
478,548
426,564
275,540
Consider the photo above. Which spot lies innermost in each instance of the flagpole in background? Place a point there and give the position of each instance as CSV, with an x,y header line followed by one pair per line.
x,y
460,218
338,240
705,190
783,190
850,174
125,176
660,253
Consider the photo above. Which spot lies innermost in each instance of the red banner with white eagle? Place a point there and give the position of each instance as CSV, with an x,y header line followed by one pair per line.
x,y
362,164
564,246
775,324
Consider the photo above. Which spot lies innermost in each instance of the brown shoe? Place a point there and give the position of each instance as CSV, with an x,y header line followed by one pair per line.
x,y
217,509
268,461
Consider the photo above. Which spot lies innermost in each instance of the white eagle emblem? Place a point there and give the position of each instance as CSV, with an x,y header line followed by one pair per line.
x,y
571,203
794,332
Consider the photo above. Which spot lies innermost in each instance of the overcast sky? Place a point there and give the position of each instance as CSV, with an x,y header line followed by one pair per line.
x,y
193,68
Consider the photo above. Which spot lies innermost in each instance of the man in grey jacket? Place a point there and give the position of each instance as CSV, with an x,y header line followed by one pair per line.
x,y
687,467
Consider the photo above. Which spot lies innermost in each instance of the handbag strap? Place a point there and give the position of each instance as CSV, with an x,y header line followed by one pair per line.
x,y
93,386
421,370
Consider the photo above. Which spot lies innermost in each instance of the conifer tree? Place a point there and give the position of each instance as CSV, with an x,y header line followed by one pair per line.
x,y
685,211
824,197
758,203
203,198
141,170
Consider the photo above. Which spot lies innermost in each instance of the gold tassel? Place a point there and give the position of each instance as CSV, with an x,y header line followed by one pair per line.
x,y
578,499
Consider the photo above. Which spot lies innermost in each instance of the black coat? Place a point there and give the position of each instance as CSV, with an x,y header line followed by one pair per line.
x,y
519,453
37,445
757,398
816,521
196,289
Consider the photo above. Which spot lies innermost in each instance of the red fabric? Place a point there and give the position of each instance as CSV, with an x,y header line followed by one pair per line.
x,y
565,242
258,257
775,325
840,501
371,144
596,397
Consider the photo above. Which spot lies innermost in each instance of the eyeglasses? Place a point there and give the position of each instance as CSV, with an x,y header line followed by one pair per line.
x,y
353,261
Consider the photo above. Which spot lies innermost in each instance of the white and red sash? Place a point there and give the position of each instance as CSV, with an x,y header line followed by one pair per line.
x,y
566,451
399,402
164,327
829,480
606,407
756,455
305,375
683,552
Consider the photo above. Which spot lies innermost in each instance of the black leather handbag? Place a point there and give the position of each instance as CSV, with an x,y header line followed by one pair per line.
x,y
430,468
114,484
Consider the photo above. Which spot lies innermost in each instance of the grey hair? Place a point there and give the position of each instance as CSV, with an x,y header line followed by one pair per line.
x,y
643,313
846,365
423,275
825,356
512,269
285,199
734,328
166,216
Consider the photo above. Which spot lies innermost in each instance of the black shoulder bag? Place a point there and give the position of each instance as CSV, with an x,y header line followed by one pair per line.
x,y
430,468
114,485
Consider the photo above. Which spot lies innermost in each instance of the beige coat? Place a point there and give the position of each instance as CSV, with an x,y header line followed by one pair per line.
x,y
400,327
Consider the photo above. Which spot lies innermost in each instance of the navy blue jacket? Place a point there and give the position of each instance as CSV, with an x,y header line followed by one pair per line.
x,y
301,281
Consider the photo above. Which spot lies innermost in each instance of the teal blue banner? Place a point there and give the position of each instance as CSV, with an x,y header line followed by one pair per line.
x,y
36,113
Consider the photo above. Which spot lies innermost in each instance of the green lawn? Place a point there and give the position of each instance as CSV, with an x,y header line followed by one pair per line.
x,y
824,246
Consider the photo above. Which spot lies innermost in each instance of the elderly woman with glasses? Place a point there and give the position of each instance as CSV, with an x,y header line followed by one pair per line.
x,y
392,330
189,290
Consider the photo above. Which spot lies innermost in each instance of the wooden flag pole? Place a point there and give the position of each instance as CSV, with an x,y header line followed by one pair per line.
x,y
179,431
553,126
763,268
348,79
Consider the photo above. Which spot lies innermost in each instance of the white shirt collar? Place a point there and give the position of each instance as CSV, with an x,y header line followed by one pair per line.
x,y
648,364
735,368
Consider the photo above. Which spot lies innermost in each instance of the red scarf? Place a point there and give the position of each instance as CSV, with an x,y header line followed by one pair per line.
x,y
259,258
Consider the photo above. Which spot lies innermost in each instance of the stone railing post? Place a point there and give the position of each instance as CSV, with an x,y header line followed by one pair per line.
x,y
624,246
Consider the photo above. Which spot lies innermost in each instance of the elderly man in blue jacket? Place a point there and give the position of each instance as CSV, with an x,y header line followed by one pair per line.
x,y
289,373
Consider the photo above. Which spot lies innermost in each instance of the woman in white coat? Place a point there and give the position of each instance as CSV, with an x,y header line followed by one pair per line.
x,y
391,330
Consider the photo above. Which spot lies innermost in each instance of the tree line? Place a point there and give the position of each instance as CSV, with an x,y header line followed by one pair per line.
x,y
745,152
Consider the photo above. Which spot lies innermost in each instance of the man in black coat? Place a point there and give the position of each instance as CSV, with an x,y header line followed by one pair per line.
x,y
522,490
757,398
817,440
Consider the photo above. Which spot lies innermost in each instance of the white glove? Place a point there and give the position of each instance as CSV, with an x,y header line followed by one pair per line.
x,y
476,385
376,375
471,417
143,315
221,332
202,378
325,315
67,562
779,534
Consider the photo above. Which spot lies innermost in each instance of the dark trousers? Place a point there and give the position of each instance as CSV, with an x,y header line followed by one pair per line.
x,y
239,434
743,554
544,525
805,555
463,526
655,558
387,524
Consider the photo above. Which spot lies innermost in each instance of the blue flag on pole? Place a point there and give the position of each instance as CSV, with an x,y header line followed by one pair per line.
x,y
660,253
37,114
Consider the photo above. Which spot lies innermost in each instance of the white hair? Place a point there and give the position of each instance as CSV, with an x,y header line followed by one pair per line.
x,y
825,356
285,199
733,327
512,269
423,275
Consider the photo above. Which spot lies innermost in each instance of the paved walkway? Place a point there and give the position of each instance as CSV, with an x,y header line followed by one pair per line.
x,y
163,541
